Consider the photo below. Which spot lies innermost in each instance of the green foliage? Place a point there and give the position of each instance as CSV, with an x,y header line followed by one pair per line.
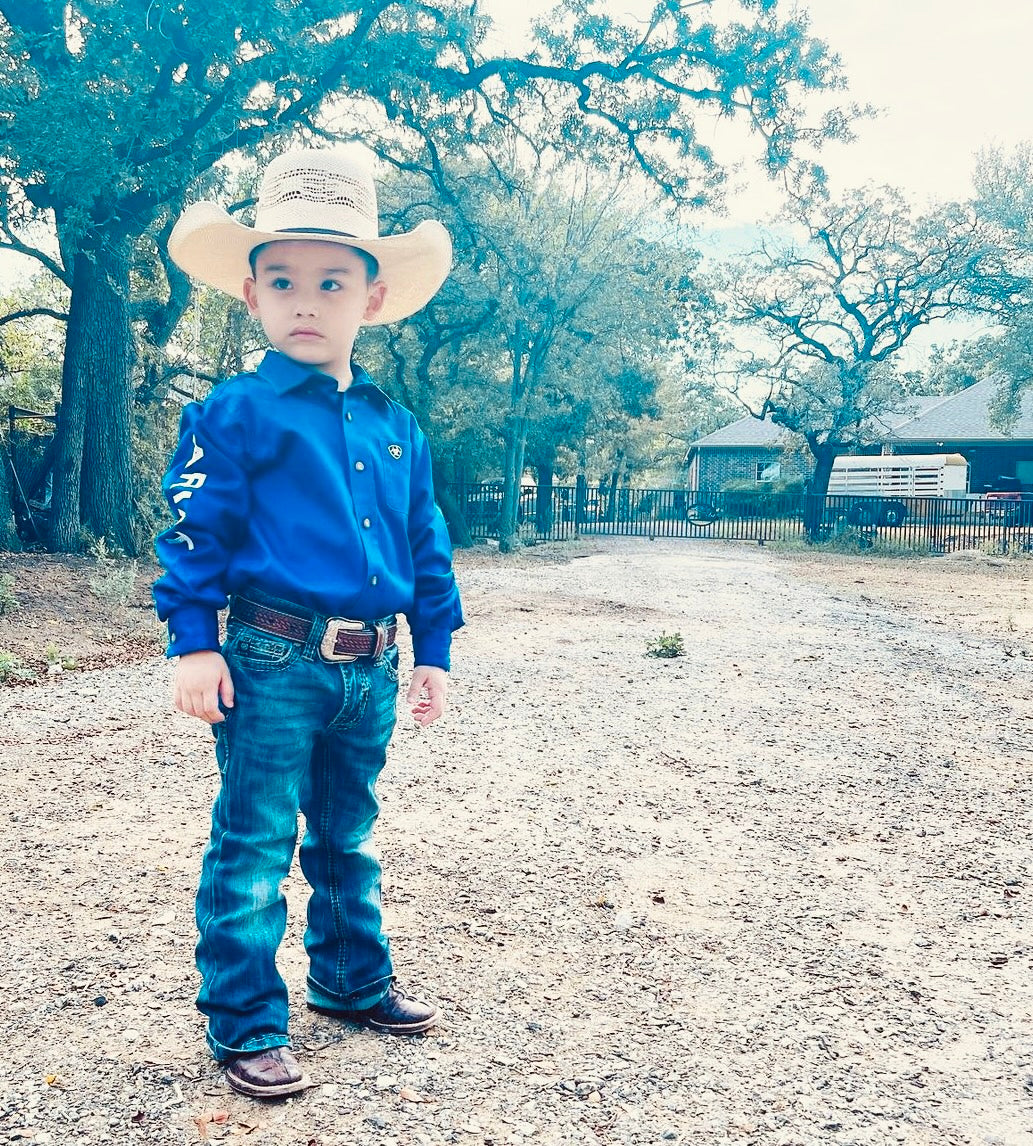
x,y
116,114
744,498
8,600
554,338
57,660
813,326
114,579
13,669
666,645
1004,202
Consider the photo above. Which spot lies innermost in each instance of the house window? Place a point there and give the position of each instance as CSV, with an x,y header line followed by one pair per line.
x,y
769,471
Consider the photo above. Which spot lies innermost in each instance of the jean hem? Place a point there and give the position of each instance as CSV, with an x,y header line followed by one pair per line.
x,y
224,1054
356,1001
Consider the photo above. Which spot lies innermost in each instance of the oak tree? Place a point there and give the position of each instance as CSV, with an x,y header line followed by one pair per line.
x,y
111,114
810,327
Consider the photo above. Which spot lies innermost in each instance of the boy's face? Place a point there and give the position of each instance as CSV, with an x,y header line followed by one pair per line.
x,y
311,298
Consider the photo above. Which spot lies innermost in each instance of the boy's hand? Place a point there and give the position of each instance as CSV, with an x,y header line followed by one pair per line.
x,y
202,680
427,693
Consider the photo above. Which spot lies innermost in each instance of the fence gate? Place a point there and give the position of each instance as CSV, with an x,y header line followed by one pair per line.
x,y
919,524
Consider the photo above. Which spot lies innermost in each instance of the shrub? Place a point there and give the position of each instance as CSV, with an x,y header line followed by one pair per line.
x,y
8,601
13,668
115,579
744,498
666,645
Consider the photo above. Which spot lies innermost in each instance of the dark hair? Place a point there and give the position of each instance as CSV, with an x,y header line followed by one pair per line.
x,y
372,266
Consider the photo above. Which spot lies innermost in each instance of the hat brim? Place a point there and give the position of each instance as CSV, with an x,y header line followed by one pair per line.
x,y
212,246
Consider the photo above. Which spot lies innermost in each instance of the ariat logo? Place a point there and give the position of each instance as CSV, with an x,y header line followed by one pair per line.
x,y
395,450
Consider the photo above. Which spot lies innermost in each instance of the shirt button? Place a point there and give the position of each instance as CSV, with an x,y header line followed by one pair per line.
x,y
366,523
348,416
360,466
373,580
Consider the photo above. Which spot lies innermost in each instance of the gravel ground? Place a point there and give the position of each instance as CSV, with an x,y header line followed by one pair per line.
x,y
773,891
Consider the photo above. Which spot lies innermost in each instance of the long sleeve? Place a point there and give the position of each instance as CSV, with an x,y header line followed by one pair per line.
x,y
207,490
436,612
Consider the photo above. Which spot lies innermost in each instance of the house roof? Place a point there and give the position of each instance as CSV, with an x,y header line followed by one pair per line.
x,y
916,408
964,416
748,431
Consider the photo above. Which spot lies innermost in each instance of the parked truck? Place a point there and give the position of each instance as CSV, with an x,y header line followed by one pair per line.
x,y
872,490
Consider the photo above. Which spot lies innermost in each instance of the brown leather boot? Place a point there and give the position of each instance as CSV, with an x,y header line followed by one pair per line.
x,y
396,1014
272,1073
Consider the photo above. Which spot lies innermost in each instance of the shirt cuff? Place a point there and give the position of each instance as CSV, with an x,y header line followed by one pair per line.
x,y
193,629
433,650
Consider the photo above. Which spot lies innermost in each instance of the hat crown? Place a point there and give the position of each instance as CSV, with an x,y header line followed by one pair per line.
x,y
317,190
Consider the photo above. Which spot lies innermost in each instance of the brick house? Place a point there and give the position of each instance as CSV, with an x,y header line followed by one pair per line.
x,y
758,451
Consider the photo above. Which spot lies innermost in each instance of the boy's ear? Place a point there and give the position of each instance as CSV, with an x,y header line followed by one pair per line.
x,y
251,296
375,300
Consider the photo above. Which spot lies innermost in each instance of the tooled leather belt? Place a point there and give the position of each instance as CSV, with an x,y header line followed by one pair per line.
x,y
340,639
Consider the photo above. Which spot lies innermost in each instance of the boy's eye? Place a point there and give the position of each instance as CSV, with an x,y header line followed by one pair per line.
x,y
330,284
281,284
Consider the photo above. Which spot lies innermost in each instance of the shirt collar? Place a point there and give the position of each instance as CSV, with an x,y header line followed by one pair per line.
x,y
284,374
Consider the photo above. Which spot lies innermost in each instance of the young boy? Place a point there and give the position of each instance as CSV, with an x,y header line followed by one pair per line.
x,y
303,499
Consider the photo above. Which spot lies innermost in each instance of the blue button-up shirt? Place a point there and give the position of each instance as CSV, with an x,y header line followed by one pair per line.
x,y
283,483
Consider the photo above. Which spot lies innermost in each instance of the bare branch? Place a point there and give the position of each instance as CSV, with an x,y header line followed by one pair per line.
x,y
33,312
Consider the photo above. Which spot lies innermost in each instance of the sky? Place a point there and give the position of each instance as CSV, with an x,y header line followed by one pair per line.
x,y
949,76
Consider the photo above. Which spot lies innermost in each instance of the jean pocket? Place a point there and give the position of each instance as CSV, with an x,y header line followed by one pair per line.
x,y
260,652
389,663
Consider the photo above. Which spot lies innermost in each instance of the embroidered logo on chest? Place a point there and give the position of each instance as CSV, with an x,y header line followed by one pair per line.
x,y
395,450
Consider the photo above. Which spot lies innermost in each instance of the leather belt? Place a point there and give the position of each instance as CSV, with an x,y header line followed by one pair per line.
x,y
340,638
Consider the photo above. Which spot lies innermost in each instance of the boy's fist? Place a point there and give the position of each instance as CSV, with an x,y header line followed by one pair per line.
x,y
427,693
202,680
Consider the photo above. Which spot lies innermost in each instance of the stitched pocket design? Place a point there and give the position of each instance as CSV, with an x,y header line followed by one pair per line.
x,y
261,652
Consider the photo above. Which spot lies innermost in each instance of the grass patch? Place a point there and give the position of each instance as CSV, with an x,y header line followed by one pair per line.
x,y
666,645
13,669
8,601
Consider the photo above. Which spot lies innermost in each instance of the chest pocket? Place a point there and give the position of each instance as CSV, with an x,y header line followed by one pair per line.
x,y
393,461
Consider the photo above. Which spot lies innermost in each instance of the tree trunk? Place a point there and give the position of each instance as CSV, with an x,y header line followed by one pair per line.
x,y
93,479
515,436
580,504
516,431
8,533
544,512
611,496
458,530
814,503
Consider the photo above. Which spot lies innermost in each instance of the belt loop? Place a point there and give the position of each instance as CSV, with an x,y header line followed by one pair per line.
x,y
310,649
380,630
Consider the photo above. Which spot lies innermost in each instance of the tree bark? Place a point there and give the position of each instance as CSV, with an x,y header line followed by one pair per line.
x,y
543,511
9,539
817,491
458,530
611,495
515,435
93,481
513,466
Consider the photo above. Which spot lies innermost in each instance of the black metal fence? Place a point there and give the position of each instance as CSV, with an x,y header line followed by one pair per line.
x,y
999,524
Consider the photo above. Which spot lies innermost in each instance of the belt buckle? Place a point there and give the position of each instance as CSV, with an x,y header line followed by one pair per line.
x,y
329,640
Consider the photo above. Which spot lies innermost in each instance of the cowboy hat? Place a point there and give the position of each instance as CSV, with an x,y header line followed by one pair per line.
x,y
321,194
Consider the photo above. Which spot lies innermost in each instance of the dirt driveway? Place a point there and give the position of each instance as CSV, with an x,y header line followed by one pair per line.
x,y
774,891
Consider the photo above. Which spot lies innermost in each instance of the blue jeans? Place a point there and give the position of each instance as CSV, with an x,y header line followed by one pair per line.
x,y
302,734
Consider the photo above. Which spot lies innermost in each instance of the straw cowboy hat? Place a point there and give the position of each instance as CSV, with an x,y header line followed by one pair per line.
x,y
314,194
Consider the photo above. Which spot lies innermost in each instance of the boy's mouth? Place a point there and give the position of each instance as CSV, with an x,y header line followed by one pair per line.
x,y
305,332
